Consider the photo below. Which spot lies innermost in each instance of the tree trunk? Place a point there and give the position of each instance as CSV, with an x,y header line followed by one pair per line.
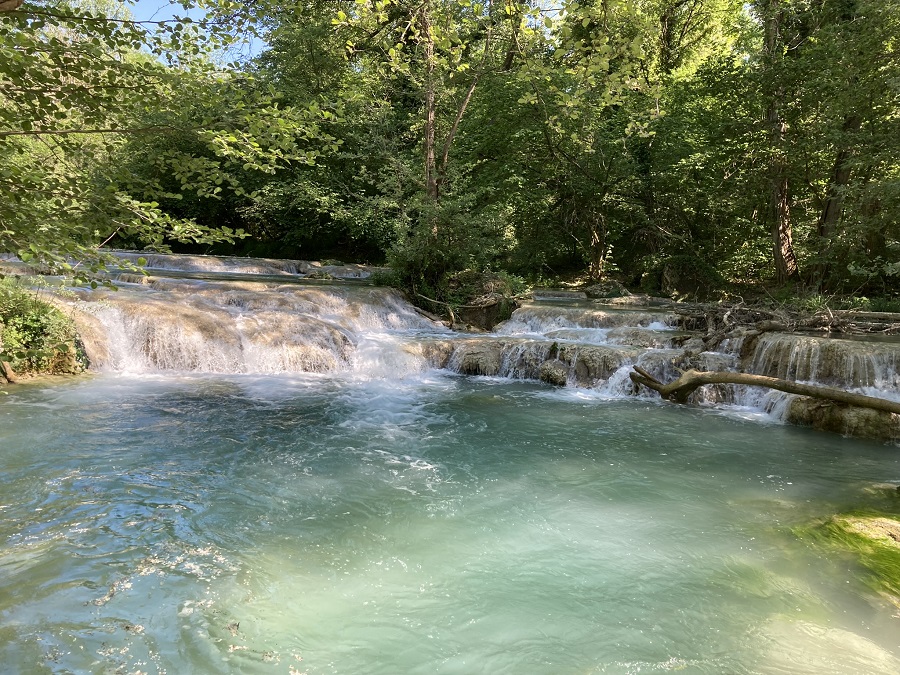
x,y
875,238
598,247
786,267
445,156
834,202
431,178
8,373
680,390
779,211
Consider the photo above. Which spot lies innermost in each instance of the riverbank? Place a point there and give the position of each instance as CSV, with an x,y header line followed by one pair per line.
x,y
36,338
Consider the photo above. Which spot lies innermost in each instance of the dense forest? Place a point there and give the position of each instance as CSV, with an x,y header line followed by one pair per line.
x,y
682,147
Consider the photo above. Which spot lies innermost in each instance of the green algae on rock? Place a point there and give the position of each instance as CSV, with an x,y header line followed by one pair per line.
x,y
873,537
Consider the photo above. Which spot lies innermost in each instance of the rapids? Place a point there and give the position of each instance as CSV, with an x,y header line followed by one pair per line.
x,y
268,476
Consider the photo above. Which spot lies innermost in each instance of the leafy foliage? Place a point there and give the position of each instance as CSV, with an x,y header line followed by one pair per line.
x,y
682,146
34,335
82,85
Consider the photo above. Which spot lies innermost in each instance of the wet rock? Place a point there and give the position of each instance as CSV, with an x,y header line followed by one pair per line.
x,y
694,346
554,372
436,353
747,343
843,419
93,337
882,529
889,490
487,311
67,360
640,337
607,288
488,298
592,363
483,358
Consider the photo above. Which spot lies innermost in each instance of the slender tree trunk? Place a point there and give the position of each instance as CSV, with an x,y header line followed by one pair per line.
x,y
876,238
786,267
598,247
431,177
448,142
779,212
834,202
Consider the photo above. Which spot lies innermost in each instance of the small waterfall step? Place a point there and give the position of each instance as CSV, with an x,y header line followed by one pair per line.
x,y
183,263
556,294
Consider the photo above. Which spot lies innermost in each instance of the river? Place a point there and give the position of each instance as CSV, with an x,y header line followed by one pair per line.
x,y
384,515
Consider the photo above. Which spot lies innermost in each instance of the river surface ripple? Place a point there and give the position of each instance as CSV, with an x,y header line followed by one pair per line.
x,y
433,524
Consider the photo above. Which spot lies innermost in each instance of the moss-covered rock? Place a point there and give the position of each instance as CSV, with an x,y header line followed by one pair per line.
x,y
482,299
873,537
555,372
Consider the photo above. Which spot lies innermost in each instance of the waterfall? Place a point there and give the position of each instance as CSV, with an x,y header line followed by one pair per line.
x,y
264,318
837,362
190,325
541,319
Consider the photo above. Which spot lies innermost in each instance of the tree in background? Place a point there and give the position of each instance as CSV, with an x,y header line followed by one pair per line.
x,y
82,81
680,145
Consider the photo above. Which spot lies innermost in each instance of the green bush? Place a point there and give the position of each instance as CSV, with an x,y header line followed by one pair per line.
x,y
34,335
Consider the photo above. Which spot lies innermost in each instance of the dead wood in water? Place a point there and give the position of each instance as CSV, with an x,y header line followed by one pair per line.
x,y
689,381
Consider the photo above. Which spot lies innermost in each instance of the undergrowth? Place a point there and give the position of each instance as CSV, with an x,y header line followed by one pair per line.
x,y
35,337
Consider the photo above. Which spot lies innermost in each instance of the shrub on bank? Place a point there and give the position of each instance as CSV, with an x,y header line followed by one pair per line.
x,y
35,337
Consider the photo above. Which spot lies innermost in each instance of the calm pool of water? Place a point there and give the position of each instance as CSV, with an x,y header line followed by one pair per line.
x,y
436,524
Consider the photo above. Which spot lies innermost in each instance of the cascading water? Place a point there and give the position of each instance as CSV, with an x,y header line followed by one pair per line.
x,y
853,363
246,327
268,476
249,323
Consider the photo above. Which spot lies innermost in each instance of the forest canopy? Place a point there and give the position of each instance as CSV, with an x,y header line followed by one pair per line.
x,y
679,146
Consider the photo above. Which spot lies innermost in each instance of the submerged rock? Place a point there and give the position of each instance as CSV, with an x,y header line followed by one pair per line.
x,y
883,530
874,537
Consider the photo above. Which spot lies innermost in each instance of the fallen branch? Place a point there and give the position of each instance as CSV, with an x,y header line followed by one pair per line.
x,y
444,304
689,381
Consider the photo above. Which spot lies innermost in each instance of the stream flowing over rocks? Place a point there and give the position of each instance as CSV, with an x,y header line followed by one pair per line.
x,y
230,315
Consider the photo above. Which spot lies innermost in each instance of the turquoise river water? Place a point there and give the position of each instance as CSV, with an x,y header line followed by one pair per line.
x,y
162,523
